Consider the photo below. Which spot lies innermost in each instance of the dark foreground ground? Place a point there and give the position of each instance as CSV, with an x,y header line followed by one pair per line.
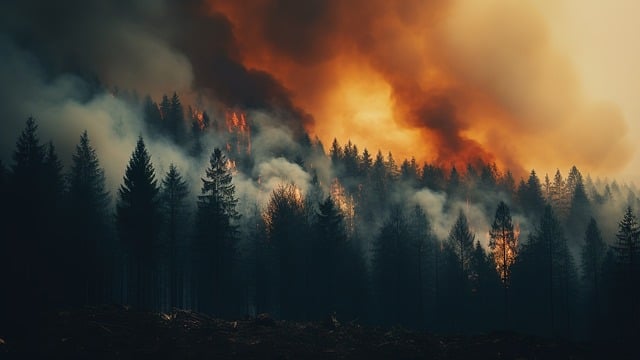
x,y
113,332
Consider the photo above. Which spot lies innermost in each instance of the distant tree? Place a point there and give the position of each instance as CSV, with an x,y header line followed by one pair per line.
x,y
216,236
336,153
504,245
165,111
409,171
392,167
89,210
366,162
454,183
175,123
530,196
152,115
593,255
174,193
579,211
507,183
137,220
350,159
559,196
433,177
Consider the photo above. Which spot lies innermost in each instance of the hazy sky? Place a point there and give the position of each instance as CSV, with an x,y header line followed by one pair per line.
x,y
602,40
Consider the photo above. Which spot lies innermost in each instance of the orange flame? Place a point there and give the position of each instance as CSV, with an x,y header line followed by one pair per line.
x,y
239,130
199,117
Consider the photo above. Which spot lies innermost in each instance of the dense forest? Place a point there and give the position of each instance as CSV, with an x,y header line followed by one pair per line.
x,y
339,230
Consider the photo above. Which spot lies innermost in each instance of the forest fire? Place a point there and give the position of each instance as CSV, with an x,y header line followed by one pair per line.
x,y
198,116
239,131
345,203
410,77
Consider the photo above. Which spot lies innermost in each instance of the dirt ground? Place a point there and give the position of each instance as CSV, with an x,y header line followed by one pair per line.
x,y
116,332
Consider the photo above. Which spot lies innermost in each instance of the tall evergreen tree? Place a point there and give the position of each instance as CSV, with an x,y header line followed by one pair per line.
x,y
392,274
461,240
152,115
504,245
329,245
176,125
88,209
593,255
287,231
173,196
216,236
627,251
137,221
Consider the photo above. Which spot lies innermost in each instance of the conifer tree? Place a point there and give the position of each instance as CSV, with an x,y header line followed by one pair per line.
x,y
173,196
287,231
137,220
461,240
216,236
504,245
593,255
627,252
88,209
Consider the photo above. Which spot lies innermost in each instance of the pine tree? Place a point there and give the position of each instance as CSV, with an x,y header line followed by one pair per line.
x,y
151,115
173,196
287,232
461,240
137,220
329,245
593,255
559,196
391,270
530,196
216,236
25,236
88,209
504,245
336,153
366,162
175,120
627,250
422,245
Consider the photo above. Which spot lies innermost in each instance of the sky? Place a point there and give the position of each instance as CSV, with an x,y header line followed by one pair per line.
x,y
601,40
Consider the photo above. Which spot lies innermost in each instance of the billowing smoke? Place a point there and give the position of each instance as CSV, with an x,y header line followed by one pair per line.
x,y
448,81
63,64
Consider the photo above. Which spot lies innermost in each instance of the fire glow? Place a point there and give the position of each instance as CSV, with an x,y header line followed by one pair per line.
x,y
418,79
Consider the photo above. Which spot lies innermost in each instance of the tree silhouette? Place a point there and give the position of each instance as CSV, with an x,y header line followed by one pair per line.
x,y
287,232
216,236
174,192
137,220
593,255
626,250
88,209
504,245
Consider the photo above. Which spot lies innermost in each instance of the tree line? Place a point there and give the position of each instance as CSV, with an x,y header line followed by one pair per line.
x,y
366,252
